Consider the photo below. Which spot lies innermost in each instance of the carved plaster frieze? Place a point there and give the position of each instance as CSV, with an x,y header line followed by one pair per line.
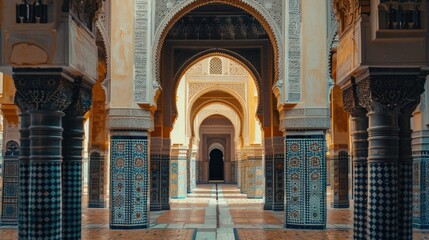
x,y
195,88
294,50
130,119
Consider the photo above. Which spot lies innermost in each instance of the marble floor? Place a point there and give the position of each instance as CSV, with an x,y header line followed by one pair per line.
x,y
214,212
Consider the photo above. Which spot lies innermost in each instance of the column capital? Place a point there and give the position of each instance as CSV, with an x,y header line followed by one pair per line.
x,y
396,90
351,102
81,101
43,89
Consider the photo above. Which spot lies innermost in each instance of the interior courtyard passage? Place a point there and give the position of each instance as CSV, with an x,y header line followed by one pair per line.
x,y
214,211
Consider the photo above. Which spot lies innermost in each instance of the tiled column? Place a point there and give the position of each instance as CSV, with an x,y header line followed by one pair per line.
x,y
45,96
97,179
387,94
255,177
358,130
129,179
305,181
98,148
339,157
193,170
188,173
159,191
269,175
420,179
10,149
9,213
340,178
71,173
243,175
238,173
24,176
278,174
178,173
405,171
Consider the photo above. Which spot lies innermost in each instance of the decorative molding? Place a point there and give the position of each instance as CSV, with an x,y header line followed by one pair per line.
x,y
294,51
140,51
130,119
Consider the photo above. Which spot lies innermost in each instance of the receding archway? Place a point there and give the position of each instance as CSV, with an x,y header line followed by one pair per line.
x,y
216,165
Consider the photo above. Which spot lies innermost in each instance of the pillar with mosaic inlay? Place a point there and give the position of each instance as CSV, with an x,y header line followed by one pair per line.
x,y
305,180
358,130
389,97
71,169
278,173
129,179
44,95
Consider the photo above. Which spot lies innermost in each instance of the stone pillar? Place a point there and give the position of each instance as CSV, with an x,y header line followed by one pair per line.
x,y
45,95
9,213
358,130
420,176
178,173
305,181
97,179
71,174
278,174
129,179
389,96
269,175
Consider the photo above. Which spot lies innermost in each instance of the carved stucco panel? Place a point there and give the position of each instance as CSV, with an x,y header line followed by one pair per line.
x,y
140,51
196,87
294,52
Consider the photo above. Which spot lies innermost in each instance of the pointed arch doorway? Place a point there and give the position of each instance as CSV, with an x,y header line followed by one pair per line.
x,y
216,165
